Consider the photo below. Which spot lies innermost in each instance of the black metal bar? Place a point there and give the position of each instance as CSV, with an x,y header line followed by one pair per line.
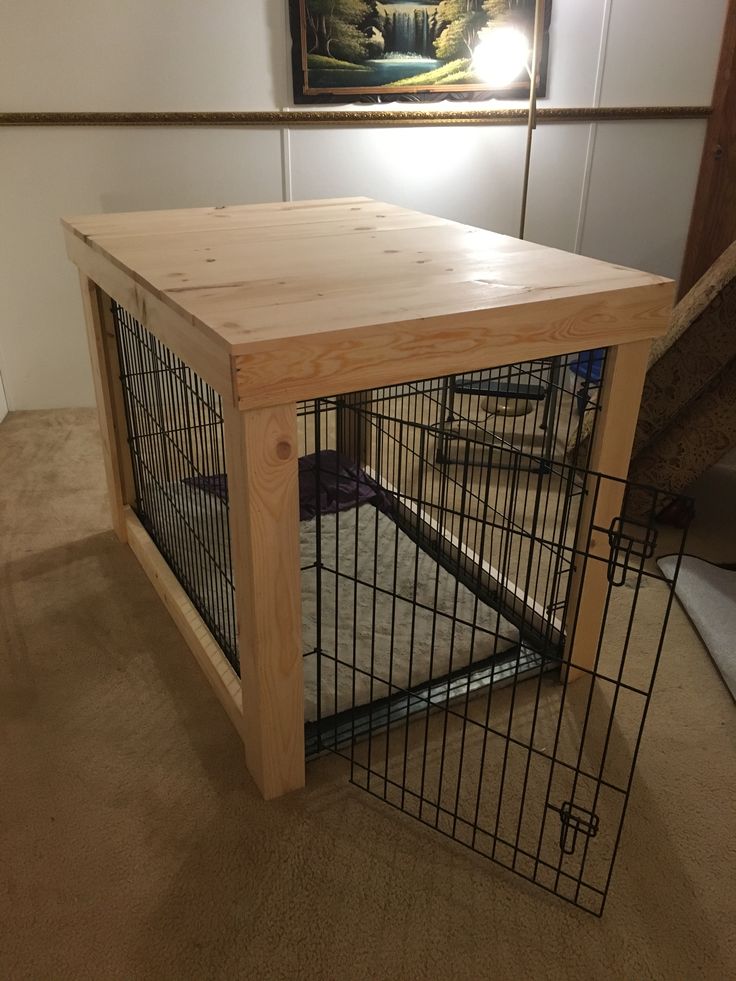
x,y
175,430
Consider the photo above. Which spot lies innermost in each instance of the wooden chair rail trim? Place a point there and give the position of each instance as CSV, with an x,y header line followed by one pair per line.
x,y
351,118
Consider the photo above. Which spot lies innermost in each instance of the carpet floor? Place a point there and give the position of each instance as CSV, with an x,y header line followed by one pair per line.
x,y
133,844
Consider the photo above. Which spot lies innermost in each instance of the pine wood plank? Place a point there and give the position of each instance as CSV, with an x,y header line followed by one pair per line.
x,y
112,359
192,344
357,289
108,395
261,449
613,438
345,361
195,219
202,644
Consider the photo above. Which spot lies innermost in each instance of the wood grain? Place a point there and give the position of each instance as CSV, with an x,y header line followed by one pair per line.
x,y
112,358
324,297
209,359
193,629
261,450
613,438
354,433
329,364
108,396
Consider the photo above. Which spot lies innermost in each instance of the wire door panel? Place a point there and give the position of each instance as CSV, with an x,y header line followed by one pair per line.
x,y
535,774
531,769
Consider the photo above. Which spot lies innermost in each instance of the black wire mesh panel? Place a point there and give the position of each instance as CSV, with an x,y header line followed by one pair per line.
x,y
175,432
450,566
532,773
544,408
436,626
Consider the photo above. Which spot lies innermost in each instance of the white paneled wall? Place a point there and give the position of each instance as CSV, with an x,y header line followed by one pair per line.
x,y
662,52
81,171
641,189
477,181
555,184
575,33
139,55
621,191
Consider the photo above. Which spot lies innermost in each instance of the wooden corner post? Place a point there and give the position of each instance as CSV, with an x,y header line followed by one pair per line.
x,y
261,450
353,429
103,352
613,438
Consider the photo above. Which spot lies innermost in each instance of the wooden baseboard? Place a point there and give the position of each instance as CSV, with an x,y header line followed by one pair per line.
x,y
206,650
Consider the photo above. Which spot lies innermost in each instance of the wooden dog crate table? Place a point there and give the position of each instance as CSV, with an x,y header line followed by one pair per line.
x,y
285,313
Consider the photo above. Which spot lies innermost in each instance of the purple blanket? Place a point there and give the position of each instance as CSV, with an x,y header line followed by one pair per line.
x,y
328,483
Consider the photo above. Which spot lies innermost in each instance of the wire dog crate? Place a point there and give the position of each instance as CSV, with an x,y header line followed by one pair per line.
x,y
432,577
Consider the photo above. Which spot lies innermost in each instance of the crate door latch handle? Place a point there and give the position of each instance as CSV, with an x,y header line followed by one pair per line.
x,y
628,539
575,821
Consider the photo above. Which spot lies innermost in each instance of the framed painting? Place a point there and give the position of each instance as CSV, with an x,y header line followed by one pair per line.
x,y
347,51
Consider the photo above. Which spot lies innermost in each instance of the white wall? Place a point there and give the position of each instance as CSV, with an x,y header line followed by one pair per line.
x,y
138,55
48,173
621,191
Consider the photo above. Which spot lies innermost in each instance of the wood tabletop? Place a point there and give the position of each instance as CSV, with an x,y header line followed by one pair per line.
x,y
330,288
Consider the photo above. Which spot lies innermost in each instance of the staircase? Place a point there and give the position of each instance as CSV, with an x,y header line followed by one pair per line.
x,y
688,415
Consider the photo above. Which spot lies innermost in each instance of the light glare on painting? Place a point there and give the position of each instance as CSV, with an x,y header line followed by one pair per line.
x,y
501,55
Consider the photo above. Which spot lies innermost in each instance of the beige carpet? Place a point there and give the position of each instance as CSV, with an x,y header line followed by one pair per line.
x,y
133,844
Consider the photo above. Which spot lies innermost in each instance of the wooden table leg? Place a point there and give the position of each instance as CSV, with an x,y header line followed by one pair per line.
x,y
353,427
103,353
613,438
261,450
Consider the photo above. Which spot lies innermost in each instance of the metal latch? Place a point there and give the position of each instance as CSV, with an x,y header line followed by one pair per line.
x,y
628,539
575,820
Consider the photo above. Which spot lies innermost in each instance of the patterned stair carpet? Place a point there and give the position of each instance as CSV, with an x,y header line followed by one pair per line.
x,y
708,595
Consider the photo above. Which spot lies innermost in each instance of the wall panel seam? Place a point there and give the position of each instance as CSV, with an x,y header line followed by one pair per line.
x,y
593,134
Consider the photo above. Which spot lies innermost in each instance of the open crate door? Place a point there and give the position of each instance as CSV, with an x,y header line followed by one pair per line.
x,y
534,772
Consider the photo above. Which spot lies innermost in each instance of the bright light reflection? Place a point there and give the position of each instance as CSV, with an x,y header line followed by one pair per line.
x,y
501,55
